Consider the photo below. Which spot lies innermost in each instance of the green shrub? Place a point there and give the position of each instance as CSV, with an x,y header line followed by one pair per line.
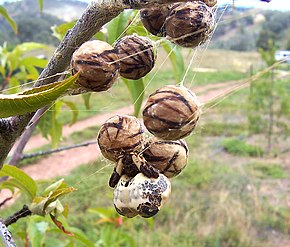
x,y
227,129
241,148
264,170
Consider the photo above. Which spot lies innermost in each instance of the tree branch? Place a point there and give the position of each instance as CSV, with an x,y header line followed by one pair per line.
x,y
97,14
24,212
57,150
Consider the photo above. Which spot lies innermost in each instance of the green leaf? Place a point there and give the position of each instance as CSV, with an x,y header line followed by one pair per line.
x,y
103,212
60,31
36,231
136,89
57,194
50,204
40,3
7,185
86,98
176,59
14,85
81,236
55,186
21,179
7,17
18,104
116,26
34,61
56,126
30,46
74,111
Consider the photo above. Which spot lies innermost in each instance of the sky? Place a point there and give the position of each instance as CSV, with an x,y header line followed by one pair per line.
x,y
273,5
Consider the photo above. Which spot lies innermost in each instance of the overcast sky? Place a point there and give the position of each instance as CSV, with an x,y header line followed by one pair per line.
x,y
274,4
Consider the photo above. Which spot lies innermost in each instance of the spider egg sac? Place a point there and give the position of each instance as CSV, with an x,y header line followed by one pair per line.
x,y
136,56
96,62
120,134
169,157
210,3
171,112
189,24
141,195
153,19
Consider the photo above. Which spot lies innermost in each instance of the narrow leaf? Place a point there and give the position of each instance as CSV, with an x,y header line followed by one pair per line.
x,y
21,178
7,17
29,46
86,98
40,3
57,185
56,126
74,111
57,194
116,26
79,235
176,59
34,61
60,226
60,31
136,89
19,104
36,235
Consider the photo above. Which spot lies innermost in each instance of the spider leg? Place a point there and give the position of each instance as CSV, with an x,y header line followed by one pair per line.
x,y
148,170
116,175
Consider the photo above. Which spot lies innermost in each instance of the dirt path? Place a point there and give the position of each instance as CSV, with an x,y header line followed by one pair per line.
x,y
60,164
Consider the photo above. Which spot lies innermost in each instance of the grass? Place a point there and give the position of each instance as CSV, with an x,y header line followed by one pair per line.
x,y
222,129
268,170
212,204
241,148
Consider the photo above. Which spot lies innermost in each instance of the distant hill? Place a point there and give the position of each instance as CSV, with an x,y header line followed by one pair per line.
x,y
244,29
240,29
36,26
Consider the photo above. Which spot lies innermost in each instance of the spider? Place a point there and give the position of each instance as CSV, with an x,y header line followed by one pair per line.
x,y
131,164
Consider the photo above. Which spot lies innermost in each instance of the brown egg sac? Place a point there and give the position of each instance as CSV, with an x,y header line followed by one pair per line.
x,y
210,3
136,56
96,62
153,19
189,24
171,113
120,134
169,157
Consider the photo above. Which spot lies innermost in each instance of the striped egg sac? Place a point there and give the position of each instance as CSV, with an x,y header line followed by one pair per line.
x,y
189,24
136,56
141,195
97,63
169,157
120,134
171,113
153,19
210,3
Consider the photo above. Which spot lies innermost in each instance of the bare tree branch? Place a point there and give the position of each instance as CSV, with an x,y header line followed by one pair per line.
x,y
24,212
57,150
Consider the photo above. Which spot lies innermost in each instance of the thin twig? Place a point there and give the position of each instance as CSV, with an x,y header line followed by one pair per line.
x,y
41,153
5,200
24,212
